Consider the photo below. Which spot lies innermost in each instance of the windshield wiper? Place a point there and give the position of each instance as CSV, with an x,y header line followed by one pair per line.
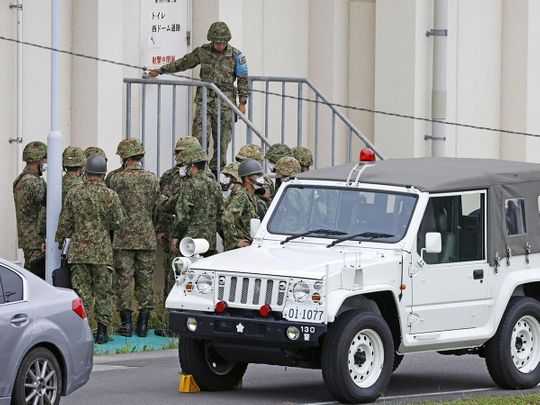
x,y
312,232
368,235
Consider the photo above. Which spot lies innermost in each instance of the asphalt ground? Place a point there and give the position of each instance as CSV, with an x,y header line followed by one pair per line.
x,y
152,378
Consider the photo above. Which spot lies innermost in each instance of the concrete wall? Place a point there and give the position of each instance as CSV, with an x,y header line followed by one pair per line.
x,y
368,53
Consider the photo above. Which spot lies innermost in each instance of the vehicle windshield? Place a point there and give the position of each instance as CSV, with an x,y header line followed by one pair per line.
x,y
351,213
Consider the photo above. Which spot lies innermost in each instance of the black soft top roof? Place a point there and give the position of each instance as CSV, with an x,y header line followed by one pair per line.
x,y
436,174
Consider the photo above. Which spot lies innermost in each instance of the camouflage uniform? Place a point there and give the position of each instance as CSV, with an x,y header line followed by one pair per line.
x,y
135,244
29,193
169,185
286,166
218,68
89,215
252,151
240,208
119,150
304,157
200,206
72,157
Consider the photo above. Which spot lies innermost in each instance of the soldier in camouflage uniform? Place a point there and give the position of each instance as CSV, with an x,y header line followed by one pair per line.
x,y
29,193
119,151
73,160
304,157
243,206
252,151
223,65
90,214
276,152
200,205
135,244
285,167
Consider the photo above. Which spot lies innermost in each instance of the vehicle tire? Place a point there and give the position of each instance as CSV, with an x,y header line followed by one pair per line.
x,y
357,357
513,354
398,358
39,375
210,371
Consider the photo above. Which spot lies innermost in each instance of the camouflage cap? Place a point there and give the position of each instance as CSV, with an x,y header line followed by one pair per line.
x,y
94,150
250,151
288,166
96,165
186,141
130,147
219,32
73,157
196,155
303,155
34,152
232,170
277,151
184,153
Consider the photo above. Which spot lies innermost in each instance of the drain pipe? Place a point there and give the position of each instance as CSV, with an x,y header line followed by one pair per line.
x,y
438,93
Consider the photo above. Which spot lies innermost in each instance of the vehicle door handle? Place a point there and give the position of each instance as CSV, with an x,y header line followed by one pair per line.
x,y
478,274
19,320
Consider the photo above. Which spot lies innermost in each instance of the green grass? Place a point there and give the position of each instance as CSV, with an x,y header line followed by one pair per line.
x,y
526,399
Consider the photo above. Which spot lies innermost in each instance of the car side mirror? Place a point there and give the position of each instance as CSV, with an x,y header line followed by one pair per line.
x,y
433,244
254,225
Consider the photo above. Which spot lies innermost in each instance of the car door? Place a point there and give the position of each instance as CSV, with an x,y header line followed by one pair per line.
x,y
15,325
451,289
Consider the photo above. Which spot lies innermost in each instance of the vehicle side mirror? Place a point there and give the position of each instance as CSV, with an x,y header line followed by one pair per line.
x,y
254,225
433,244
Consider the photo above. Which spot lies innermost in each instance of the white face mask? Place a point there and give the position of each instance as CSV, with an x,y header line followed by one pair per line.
x,y
258,183
182,170
43,168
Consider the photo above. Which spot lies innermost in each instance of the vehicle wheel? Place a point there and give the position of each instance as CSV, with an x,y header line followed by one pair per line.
x,y
357,357
398,358
210,371
39,379
513,354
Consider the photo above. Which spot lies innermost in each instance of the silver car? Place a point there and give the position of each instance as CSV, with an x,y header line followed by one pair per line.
x,y
46,345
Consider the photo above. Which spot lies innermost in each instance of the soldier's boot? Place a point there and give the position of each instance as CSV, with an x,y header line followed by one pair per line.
x,y
101,336
127,323
142,323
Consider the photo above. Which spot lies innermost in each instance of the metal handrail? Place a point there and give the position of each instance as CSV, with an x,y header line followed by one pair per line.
x,y
320,98
189,83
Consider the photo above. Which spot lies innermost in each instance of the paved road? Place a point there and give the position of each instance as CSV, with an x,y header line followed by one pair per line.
x,y
151,378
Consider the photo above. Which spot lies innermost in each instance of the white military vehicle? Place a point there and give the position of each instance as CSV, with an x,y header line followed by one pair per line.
x,y
355,266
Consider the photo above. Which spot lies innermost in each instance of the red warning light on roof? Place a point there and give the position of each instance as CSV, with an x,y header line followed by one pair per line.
x,y
367,155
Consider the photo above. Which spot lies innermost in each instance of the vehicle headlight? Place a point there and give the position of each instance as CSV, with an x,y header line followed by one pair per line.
x,y
318,286
300,291
204,283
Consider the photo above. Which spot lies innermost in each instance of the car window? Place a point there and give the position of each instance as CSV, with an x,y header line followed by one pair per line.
x,y
514,213
12,284
2,300
460,221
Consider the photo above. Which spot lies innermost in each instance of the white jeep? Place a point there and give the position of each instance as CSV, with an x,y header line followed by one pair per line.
x,y
355,266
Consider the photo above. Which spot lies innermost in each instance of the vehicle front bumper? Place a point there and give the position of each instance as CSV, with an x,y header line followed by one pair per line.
x,y
236,329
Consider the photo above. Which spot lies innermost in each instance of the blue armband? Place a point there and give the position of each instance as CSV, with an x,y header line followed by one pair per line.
x,y
241,68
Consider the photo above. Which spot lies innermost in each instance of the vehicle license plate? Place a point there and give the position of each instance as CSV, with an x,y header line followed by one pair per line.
x,y
304,314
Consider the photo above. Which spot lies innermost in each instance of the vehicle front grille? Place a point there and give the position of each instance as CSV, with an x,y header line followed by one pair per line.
x,y
251,292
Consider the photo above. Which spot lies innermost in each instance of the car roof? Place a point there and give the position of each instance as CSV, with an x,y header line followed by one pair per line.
x,y
435,174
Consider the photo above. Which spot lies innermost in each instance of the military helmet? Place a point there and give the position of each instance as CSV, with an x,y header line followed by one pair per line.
x,y
232,170
288,166
130,147
249,167
186,141
34,152
184,154
195,155
94,150
303,155
96,165
219,32
250,151
73,157
277,151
